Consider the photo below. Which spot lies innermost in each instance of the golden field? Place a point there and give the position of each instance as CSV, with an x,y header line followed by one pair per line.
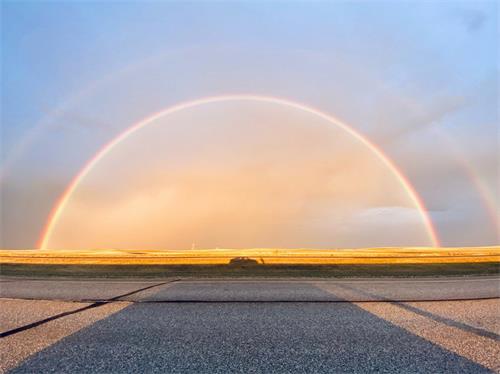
x,y
404,255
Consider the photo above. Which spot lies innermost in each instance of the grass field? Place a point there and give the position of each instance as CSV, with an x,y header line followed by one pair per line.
x,y
260,271
261,256
370,262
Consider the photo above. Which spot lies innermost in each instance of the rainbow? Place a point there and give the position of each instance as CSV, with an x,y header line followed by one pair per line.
x,y
65,197
485,196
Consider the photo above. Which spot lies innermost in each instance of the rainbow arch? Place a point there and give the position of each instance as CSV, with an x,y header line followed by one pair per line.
x,y
65,197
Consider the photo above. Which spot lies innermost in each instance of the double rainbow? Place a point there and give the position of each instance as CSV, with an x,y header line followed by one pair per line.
x,y
377,152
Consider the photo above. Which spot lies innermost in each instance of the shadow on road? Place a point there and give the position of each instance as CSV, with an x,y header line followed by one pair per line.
x,y
263,337
446,321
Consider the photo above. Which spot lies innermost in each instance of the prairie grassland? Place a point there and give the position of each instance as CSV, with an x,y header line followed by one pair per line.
x,y
403,255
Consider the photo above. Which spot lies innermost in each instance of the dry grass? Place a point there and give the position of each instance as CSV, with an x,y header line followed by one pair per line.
x,y
410,255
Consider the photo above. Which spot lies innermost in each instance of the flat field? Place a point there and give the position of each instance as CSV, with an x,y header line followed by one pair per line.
x,y
262,256
271,263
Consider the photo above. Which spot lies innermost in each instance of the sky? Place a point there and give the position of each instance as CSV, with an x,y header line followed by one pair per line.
x,y
419,80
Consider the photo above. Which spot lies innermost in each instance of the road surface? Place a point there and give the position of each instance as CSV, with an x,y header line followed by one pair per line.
x,y
248,326
223,290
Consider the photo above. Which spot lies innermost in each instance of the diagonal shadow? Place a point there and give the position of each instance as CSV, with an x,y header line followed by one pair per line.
x,y
446,321
253,337
79,310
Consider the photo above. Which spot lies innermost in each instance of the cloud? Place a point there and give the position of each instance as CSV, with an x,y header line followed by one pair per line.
x,y
404,116
473,20
388,215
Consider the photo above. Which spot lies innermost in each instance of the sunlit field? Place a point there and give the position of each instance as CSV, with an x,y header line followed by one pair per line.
x,y
265,256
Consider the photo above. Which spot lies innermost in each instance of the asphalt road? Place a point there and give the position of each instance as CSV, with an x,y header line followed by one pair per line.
x,y
395,289
280,333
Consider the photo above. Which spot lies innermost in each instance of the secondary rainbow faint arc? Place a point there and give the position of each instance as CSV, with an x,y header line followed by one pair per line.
x,y
63,200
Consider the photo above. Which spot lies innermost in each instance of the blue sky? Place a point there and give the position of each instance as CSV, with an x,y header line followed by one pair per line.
x,y
414,77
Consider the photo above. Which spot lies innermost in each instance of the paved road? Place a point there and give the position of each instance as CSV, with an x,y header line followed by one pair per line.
x,y
285,336
395,289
